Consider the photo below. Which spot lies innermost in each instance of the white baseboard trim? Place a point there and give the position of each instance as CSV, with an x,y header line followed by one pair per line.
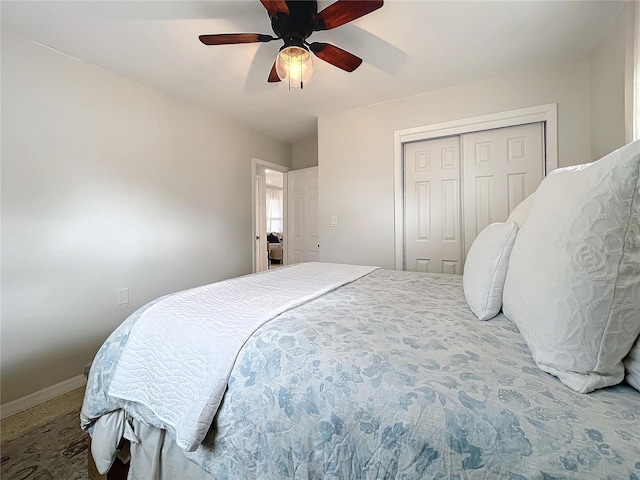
x,y
41,396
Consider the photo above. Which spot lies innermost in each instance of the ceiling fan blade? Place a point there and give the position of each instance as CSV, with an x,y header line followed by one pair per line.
x,y
344,11
336,56
275,6
273,75
231,38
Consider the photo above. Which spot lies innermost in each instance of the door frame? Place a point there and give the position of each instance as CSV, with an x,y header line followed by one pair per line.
x,y
279,168
546,114
260,249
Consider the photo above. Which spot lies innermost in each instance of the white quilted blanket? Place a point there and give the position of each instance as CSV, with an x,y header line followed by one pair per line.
x,y
180,352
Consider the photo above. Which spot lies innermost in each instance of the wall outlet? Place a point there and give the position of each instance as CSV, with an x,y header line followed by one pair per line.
x,y
123,296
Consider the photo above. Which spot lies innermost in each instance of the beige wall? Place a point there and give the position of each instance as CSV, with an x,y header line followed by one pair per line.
x,y
607,114
304,153
107,184
356,150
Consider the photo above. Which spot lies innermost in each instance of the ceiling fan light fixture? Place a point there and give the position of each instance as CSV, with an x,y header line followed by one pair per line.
x,y
293,21
294,65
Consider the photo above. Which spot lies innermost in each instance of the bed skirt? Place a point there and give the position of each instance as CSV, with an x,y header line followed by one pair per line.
x,y
144,460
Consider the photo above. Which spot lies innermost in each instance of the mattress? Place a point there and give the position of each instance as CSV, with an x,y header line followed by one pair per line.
x,y
392,377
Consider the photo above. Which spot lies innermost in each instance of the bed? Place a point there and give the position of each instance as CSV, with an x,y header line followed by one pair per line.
x,y
388,375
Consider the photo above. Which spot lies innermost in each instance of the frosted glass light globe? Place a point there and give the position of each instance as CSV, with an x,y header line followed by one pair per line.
x,y
295,66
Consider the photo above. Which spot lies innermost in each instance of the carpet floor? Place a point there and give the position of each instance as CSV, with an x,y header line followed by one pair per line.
x,y
56,450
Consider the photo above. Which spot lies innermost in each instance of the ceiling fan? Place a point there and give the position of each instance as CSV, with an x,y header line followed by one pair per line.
x,y
293,21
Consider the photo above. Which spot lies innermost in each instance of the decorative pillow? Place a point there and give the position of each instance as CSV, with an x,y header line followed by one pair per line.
x,y
573,284
632,365
485,269
519,214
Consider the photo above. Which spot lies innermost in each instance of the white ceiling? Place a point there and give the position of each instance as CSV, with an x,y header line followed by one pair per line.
x,y
408,47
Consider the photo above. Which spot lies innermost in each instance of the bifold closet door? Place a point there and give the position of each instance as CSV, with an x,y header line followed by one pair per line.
x,y
501,168
433,240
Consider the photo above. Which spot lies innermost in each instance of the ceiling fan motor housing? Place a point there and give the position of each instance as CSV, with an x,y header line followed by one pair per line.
x,y
296,27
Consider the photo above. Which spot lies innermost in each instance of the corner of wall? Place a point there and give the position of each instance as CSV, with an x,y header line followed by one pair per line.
x,y
608,89
304,153
632,61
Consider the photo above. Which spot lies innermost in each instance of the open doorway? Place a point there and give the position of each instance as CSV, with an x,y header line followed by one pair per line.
x,y
269,215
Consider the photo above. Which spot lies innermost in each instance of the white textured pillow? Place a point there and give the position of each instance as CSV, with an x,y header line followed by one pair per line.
x,y
573,284
632,365
485,268
519,214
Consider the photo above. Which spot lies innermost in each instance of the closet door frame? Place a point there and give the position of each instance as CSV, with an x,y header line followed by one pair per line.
x,y
547,114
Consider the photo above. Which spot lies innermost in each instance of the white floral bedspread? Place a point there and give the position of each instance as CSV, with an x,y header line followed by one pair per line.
x,y
391,377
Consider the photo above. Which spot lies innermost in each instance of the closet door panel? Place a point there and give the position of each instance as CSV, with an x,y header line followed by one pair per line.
x,y
433,229
501,168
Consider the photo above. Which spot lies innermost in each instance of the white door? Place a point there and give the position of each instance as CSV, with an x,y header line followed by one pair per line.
x,y
501,168
433,240
456,186
303,240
